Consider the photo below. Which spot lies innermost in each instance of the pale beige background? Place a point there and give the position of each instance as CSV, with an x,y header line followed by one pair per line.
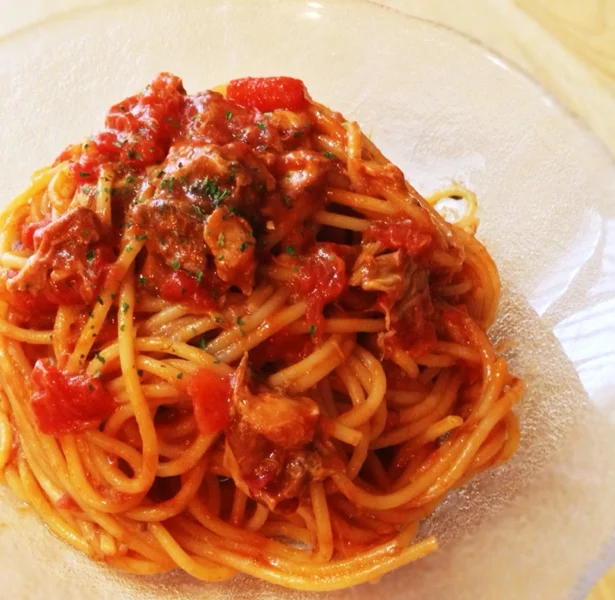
x,y
567,45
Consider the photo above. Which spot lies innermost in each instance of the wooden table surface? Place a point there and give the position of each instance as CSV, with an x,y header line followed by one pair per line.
x,y
567,45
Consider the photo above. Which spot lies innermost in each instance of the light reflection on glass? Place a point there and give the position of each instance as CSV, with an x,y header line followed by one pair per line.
x,y
588,335
562,275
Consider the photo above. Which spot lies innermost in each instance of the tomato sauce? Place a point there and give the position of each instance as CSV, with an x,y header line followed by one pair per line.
x,y
64,403
66,502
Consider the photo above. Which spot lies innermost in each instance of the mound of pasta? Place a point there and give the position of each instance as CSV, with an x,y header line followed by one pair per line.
x,y
233,338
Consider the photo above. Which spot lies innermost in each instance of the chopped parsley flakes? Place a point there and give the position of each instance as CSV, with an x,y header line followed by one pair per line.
x,y
208,187
168,183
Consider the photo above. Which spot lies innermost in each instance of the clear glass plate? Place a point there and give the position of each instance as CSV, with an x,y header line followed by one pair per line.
x,y
443,109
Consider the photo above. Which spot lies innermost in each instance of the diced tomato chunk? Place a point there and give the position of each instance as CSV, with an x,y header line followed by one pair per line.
x,y
399,234
178,287
211,396
321,279
268,93
86,169
65,291
100,269
414,330
107,333
423,343
290,347
263,475
31,232
139,131
181,287
29,304
459,325
64,403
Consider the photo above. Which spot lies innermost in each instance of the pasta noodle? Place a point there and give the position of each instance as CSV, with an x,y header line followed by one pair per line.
x,y
234,339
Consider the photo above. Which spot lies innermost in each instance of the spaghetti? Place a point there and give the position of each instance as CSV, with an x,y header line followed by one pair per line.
x,y
234,339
